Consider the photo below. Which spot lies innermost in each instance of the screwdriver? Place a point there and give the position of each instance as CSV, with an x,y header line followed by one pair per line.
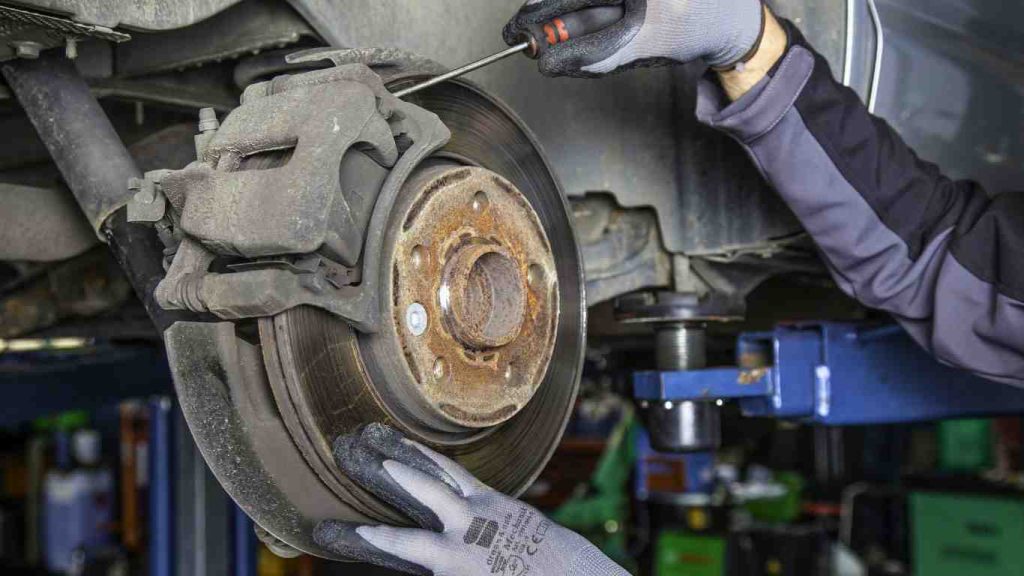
x,y
536,41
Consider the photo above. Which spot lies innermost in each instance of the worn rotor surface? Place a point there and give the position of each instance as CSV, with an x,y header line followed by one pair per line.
x,y
490,378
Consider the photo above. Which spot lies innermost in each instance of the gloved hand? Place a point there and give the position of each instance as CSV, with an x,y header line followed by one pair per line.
x,y
467,528
652,32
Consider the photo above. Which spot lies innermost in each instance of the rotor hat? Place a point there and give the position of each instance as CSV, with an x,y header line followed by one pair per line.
x,y
482,296
464,256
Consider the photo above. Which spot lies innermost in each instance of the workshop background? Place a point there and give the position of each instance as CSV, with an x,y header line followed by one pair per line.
x,y
736,415
101,476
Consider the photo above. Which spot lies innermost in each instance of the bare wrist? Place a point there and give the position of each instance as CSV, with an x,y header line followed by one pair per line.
x,y
740,80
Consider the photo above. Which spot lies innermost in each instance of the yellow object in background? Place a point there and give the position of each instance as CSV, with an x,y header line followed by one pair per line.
x,y
269,564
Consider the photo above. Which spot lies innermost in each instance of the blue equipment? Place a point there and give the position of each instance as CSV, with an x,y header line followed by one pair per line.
x,y
836,374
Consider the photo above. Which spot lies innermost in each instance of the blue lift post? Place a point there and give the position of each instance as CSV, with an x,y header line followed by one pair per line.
x,y
244,540
194,527
838,374
161,489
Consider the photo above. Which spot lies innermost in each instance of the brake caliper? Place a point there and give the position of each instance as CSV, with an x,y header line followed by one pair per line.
x,y
285,204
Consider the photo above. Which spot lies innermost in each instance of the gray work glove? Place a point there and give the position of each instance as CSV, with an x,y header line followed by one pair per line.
x,y
467,528
652,32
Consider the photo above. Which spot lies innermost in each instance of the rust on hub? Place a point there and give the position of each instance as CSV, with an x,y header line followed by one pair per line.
x,y
473,254
482,295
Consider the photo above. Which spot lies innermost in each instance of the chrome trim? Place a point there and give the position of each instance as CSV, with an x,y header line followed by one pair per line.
x,y
850,31
879,53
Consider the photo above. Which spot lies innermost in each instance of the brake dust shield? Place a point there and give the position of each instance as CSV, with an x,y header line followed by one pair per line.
x,y
478,353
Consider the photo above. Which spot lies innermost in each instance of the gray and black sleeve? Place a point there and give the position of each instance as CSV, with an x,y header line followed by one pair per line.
x,y
944,258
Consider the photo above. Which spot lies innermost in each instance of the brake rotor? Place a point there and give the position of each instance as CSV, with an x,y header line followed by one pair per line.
x,y
481,348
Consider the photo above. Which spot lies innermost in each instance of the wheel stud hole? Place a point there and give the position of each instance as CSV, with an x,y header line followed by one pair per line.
x,y
419,256
440,370
480,201
535,276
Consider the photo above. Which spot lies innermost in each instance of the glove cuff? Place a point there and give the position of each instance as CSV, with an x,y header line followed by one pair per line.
x,y
753,48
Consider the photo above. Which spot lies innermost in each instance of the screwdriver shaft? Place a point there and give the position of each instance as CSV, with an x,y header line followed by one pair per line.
x,y
463,70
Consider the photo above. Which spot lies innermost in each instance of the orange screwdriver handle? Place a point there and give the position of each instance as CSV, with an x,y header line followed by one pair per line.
x,y
569,26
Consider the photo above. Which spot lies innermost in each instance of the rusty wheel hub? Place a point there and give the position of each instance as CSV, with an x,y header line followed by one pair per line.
x,y
476,295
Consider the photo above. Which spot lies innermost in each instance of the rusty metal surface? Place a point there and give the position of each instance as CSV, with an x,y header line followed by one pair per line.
x,y
82,287
475,295
328,378
291,360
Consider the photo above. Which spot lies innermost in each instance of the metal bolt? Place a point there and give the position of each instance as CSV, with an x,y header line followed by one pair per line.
x,y
27,49
416,318
208,120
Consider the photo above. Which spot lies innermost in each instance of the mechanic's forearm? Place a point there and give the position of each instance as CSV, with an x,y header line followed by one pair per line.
x,y
939,255
740,80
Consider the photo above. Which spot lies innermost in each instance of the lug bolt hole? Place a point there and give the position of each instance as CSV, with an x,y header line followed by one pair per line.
x,y
419,256
440,369
480,201
535,275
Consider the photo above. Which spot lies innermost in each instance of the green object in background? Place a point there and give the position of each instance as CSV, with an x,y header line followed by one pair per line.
x,y
961,535
65,421
785,508
965,445
682,554
601,512
72,420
